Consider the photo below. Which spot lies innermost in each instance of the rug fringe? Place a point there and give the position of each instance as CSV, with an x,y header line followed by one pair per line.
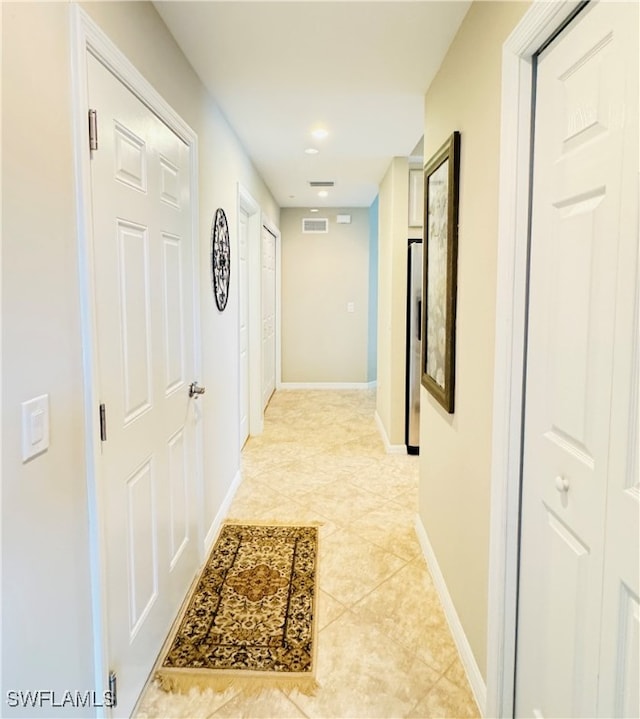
x,y
272,523
183,681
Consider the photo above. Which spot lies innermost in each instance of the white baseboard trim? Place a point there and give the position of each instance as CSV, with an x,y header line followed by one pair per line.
x,y
478,686
221,514
389,448
327,385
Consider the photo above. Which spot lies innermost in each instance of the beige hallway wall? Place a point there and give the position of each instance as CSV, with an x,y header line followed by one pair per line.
x,y
46,600
455,450
321,275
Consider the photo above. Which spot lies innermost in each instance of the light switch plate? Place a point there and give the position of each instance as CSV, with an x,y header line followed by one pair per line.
x,y
35,426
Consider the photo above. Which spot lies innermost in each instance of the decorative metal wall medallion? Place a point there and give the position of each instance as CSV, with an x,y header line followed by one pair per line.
x,y
220,258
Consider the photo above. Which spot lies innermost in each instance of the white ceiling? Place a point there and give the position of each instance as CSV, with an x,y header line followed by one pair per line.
x,y
279,69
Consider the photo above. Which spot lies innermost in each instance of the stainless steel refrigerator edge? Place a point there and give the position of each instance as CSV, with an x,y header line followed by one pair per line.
x,y
414,346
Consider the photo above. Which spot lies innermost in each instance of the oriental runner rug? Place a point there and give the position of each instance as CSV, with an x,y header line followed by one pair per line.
x,y
250,620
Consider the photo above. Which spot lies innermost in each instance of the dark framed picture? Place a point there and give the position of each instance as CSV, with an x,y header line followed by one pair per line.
x,y
220,258
441,194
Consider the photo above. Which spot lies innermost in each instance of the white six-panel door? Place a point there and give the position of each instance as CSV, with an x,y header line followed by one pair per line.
x,y
578,598
268,315
144,315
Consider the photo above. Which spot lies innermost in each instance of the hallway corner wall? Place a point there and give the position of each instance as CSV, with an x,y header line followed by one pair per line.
x,y
372,350
393,231
455,450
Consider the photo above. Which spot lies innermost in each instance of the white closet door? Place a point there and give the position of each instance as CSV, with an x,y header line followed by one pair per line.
x,y
620,632
582,294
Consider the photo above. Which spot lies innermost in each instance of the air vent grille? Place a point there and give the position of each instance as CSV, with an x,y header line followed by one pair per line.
x,y
315,225
321,183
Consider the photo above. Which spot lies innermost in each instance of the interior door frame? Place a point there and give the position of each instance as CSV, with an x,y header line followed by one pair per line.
x,y
271,227
539,24
87,38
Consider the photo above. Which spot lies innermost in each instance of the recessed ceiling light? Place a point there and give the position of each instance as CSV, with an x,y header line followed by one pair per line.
x,y
323,193
312,151
314,209
320,133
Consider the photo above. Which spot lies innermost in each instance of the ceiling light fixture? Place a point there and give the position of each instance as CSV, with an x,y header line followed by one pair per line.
x,y
323,193
320,133
314,209
312,151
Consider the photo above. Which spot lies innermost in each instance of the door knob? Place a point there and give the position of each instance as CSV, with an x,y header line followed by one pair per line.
x,y
562,484
195,390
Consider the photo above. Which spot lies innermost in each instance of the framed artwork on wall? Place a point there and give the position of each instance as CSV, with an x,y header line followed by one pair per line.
x,y
220,258
441,195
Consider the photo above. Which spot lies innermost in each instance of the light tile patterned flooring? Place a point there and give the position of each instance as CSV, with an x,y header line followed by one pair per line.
x,y
384,647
